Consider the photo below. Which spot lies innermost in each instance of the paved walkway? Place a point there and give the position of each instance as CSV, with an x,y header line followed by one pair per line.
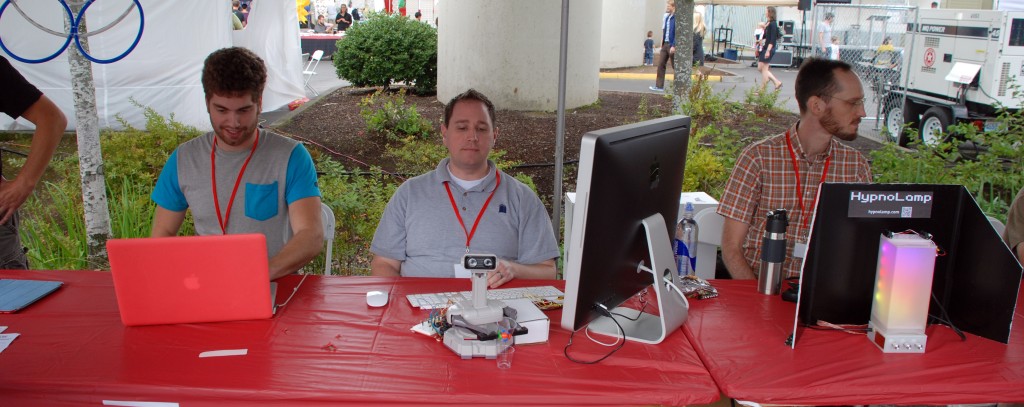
x,y
744,77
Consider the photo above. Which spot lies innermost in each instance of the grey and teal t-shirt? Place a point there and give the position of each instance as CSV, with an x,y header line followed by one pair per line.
x,y
279,173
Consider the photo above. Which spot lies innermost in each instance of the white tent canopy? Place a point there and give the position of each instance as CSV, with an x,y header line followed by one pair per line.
x,y
163,71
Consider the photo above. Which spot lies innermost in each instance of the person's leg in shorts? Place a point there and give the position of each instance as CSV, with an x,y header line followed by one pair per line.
x,y
12,253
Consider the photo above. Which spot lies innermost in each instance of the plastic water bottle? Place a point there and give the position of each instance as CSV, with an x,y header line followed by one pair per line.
x,y
686,243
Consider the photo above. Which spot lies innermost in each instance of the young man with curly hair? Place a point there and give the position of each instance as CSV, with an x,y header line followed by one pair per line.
x,y
239,178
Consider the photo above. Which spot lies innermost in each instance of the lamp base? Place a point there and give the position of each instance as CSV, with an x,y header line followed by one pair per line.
x,y
898,343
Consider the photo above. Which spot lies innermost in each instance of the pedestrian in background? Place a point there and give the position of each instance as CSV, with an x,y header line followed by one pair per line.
x,y
825,35
649,49
668,45
343,20
764,58
698,38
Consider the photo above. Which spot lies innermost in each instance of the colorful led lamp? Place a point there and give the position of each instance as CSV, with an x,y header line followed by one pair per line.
x,y
903,286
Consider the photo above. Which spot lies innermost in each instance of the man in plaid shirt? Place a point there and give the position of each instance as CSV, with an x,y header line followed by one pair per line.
x,y
784,171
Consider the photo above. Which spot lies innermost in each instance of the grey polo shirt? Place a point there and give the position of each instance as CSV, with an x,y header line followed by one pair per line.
x,y
420,229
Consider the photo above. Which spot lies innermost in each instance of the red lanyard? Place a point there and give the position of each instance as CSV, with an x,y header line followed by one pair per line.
x,y
213,174
455,207
800,192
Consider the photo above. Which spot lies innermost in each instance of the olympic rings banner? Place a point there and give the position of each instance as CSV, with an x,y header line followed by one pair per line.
x,y
75,23
163,69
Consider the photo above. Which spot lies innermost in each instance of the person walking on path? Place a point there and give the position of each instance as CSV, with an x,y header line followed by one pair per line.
x,y
764,58
699,30
668,46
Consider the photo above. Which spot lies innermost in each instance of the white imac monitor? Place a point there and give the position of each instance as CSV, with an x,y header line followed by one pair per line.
x,y
627,200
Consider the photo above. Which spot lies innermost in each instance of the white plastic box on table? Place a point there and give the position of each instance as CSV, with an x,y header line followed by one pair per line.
x,y
707,253
531,317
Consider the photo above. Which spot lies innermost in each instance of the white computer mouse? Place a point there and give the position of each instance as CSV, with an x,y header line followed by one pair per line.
x,y
376,298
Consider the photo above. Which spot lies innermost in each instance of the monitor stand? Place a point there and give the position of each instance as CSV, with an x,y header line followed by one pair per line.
x,y
672,307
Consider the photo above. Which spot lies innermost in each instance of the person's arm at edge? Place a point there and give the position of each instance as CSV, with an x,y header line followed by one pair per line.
x,y
166,222
734,233
50,124
382,266
307,238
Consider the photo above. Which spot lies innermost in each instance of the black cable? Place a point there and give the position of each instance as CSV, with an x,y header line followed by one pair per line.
x,y
604,311
946,319
540,165
639,313
6,150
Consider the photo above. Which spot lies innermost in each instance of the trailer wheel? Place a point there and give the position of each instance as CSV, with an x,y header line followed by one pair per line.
x,y
933,125
911,118
894,121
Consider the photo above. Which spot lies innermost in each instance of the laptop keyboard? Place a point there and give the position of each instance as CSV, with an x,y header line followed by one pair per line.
x,y
441,300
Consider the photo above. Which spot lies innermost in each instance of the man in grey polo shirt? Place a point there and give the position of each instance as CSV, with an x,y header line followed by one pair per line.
x,y
240,179
465,205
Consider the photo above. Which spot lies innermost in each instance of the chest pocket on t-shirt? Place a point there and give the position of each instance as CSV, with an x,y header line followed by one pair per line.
x,y
261,201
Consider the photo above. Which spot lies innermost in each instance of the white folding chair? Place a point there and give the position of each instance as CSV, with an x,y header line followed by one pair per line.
x,y
709,236
327,217
997,225
310,69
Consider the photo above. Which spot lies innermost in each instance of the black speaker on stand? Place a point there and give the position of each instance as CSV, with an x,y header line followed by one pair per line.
x,y
804,6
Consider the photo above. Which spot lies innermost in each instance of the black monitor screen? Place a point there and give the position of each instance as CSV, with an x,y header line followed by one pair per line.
x,y
976,276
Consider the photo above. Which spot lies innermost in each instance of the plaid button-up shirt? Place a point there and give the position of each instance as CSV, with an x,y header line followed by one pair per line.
x,y
764,179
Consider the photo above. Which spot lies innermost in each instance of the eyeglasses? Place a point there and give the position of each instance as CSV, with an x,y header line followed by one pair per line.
x,y
854,103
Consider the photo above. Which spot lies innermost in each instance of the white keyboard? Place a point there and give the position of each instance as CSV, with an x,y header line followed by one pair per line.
x,y
441,300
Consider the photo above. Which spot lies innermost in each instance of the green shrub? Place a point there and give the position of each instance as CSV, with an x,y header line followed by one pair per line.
x,y
358,200
386,49
416,156
387,116
702,104
993,172
710,156
54,228
763,101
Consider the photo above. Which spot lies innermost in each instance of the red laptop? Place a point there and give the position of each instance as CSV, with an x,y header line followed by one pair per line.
x,y
173,280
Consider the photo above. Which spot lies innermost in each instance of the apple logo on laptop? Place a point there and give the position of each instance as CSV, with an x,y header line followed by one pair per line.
x,y
192,282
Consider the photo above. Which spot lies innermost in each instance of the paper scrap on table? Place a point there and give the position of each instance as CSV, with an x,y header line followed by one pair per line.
x,y
138,403
226,352
6,339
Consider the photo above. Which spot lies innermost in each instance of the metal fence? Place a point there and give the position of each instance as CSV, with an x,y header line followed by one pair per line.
x,y
874,40
732,27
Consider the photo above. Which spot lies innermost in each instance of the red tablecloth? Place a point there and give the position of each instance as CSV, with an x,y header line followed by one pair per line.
x,y
741,336
73,349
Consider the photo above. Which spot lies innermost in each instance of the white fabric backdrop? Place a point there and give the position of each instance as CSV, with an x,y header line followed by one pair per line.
x,y
163,71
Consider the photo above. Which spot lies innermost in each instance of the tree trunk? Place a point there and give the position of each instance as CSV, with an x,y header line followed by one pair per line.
x,y
683,59
90,158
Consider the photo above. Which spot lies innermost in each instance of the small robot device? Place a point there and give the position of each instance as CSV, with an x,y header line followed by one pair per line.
x,y
474,322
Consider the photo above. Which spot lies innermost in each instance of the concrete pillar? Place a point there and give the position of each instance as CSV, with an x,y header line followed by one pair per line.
x,y
509,50
624,28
